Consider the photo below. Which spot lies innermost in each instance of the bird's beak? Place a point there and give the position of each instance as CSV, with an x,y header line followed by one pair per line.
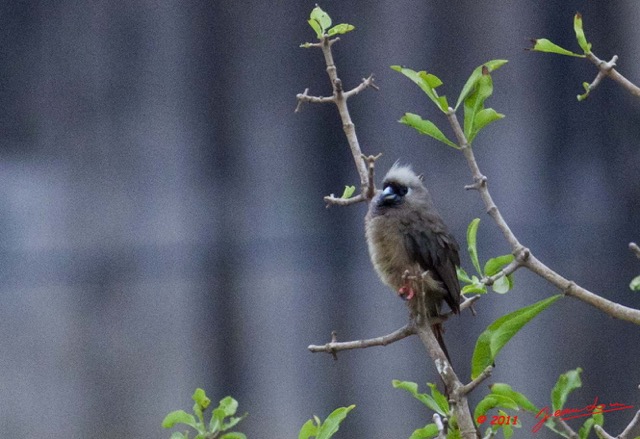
x,y
388,194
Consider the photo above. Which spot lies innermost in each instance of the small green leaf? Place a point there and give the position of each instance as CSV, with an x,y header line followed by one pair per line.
x,y
469,86
472,232
502,285
233,435
426,127
475,287
494,265
178,417
519,398
567,382
427,432
306,45
229,405
428,83
308,429
474,105
200,398
491,401
317,28
462,275
322,21
483,118
232,422
331,425
348,192
635,284
498,334
412,388
439,398
341,28
179,435
584,431
582,40
217,419
587,90
544,45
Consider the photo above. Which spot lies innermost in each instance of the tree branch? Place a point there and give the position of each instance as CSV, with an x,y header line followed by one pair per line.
x,y
607,69
335,346
339,98
568,287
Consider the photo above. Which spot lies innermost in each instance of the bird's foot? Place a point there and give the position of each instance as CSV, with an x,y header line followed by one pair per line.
x,y
406,292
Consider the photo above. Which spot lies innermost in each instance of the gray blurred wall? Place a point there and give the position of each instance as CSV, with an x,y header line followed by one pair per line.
x,y
162,225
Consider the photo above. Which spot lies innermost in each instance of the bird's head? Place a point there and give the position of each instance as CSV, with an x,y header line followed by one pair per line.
x,y
401,185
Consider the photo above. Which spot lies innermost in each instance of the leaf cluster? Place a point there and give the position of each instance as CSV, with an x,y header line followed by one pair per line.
x,y
222,419
324,429
474,284
545,45
477,89
321,22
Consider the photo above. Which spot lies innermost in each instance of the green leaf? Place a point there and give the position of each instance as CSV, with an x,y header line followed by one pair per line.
x,y
200,398
544,45
229,405
412,388
341,28
233,435
348,192
567,382
474,106
462,275
484,118
428,83
582,40
178,417
179,435
308,429
498,334
587,90
439,398
584,431
319,21
519,398
426,127
475,75
494,265
635,284
232,422
475,287
427,432
217,419
331,425
491,401
472,232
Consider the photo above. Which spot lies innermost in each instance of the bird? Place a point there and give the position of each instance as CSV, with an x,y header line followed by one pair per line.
x,y
411,247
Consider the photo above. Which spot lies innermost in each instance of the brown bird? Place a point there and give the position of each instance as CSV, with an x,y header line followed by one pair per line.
x,y
411,247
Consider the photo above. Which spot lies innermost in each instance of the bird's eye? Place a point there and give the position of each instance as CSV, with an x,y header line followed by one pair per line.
x,y
401,190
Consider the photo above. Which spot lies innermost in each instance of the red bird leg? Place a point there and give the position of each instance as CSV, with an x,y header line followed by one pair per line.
x,y
405,291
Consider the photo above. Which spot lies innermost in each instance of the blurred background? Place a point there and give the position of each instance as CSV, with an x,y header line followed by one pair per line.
x,y
162,225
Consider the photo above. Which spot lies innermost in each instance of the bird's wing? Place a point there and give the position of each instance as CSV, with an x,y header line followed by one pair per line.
x,y
437,251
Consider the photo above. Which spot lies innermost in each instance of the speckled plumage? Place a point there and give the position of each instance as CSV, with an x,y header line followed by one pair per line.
x,y
405,232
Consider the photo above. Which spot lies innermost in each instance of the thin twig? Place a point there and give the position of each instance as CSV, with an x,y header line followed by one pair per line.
x,y
634,248
635,422
468,388
437,419
601,433
335,346
564,426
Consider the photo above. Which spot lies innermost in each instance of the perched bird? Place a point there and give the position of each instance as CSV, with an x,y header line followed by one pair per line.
x,y
411,247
